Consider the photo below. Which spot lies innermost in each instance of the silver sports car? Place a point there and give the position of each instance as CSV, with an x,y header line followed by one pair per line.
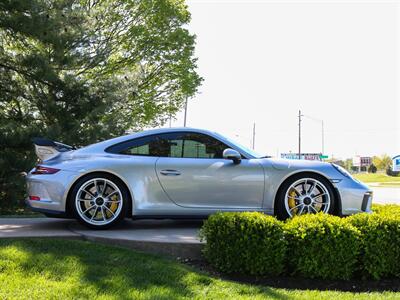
x,y
182,173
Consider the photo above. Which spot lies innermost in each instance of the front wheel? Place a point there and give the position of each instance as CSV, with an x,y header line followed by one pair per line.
x,y
305,194
99,201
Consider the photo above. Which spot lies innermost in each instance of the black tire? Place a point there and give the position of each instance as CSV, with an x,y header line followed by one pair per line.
x,y
280,208
124,201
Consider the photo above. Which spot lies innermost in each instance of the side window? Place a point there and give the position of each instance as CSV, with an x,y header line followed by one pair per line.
x,y
195,145
177,144
138,150
146,146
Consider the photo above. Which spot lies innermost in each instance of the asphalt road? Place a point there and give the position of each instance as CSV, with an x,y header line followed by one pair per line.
x,y
386,195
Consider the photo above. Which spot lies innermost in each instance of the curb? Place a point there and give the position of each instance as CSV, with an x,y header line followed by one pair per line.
x,y
172,250
191,251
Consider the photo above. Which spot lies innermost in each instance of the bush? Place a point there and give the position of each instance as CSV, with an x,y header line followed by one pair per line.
x,y
392,209
316,246
322,246
372,169
380,235
249,242
390,172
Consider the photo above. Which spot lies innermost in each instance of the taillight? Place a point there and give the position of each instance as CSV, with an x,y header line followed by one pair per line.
x,y
44,170
34,198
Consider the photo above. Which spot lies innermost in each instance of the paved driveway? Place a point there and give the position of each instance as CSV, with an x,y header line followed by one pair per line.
x,y
35,227
178,239
162,231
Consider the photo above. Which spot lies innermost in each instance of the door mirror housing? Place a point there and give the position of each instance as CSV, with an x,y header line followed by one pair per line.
x,y
232,155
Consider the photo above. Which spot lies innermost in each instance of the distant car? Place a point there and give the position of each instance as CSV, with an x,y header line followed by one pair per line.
x,y
182,173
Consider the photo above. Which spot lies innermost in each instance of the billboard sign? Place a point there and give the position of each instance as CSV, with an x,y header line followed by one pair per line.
x,y
396,163
306,156
357,161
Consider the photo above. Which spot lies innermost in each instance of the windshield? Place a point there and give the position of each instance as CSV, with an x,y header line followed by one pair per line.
x,y
245,149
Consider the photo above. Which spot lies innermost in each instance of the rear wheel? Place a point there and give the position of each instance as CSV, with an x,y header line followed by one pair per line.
x,y
99,201
305,194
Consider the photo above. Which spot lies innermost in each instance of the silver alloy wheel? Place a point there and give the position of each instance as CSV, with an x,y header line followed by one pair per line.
x,y
98,201
307,195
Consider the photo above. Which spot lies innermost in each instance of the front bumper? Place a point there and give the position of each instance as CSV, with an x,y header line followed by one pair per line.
x,y
355,196
50,190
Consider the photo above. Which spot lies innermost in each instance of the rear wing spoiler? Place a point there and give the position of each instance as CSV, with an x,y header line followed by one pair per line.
x,y
47,149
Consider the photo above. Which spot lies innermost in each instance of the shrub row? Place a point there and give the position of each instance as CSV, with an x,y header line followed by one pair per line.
x,y
314,246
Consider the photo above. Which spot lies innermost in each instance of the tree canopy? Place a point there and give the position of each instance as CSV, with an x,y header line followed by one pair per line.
x,y
79,71
382,162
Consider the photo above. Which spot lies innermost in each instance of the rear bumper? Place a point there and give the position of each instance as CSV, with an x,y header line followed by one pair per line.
x,y
47,212
50,191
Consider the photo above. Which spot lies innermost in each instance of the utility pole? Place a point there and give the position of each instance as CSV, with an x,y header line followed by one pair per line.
x,y
184,120
323,138
254,134
300,134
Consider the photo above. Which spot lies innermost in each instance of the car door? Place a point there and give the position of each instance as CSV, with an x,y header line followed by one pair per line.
x,y
195,175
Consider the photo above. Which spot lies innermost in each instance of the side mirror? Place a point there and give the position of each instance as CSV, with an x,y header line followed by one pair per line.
x,y
232,155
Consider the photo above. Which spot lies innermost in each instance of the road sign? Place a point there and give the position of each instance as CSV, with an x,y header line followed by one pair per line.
x,y
396,163
324,156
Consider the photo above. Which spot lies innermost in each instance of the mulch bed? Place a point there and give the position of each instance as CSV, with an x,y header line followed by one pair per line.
x,y
355,285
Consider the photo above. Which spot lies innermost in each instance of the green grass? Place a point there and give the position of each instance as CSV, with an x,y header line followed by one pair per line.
x,y
18,212
378,177
67,269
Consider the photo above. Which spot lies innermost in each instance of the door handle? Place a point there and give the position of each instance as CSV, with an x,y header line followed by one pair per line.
x,y
170,172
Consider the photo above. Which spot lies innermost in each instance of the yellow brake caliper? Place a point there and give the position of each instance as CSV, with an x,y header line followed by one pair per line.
x,y
291,200
113,206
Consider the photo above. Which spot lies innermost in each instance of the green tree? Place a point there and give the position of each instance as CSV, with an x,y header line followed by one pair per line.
x,y
377,162
382,162
386,162
82,71
372,168
348,164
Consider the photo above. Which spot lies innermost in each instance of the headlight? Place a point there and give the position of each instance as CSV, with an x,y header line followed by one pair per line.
x,y
342,171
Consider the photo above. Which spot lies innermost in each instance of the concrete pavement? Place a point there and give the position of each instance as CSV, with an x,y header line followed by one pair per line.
x,y
160,231
167,237
35,227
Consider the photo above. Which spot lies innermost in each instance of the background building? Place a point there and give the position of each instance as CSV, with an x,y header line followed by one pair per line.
x,y
396,163
362,163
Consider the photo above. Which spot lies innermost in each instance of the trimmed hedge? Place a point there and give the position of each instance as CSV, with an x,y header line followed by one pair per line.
x,y
380,236
322,246
391,209
248,242
315,246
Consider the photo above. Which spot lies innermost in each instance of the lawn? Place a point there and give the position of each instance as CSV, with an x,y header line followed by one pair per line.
x,y
66,269
381,178
18,212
